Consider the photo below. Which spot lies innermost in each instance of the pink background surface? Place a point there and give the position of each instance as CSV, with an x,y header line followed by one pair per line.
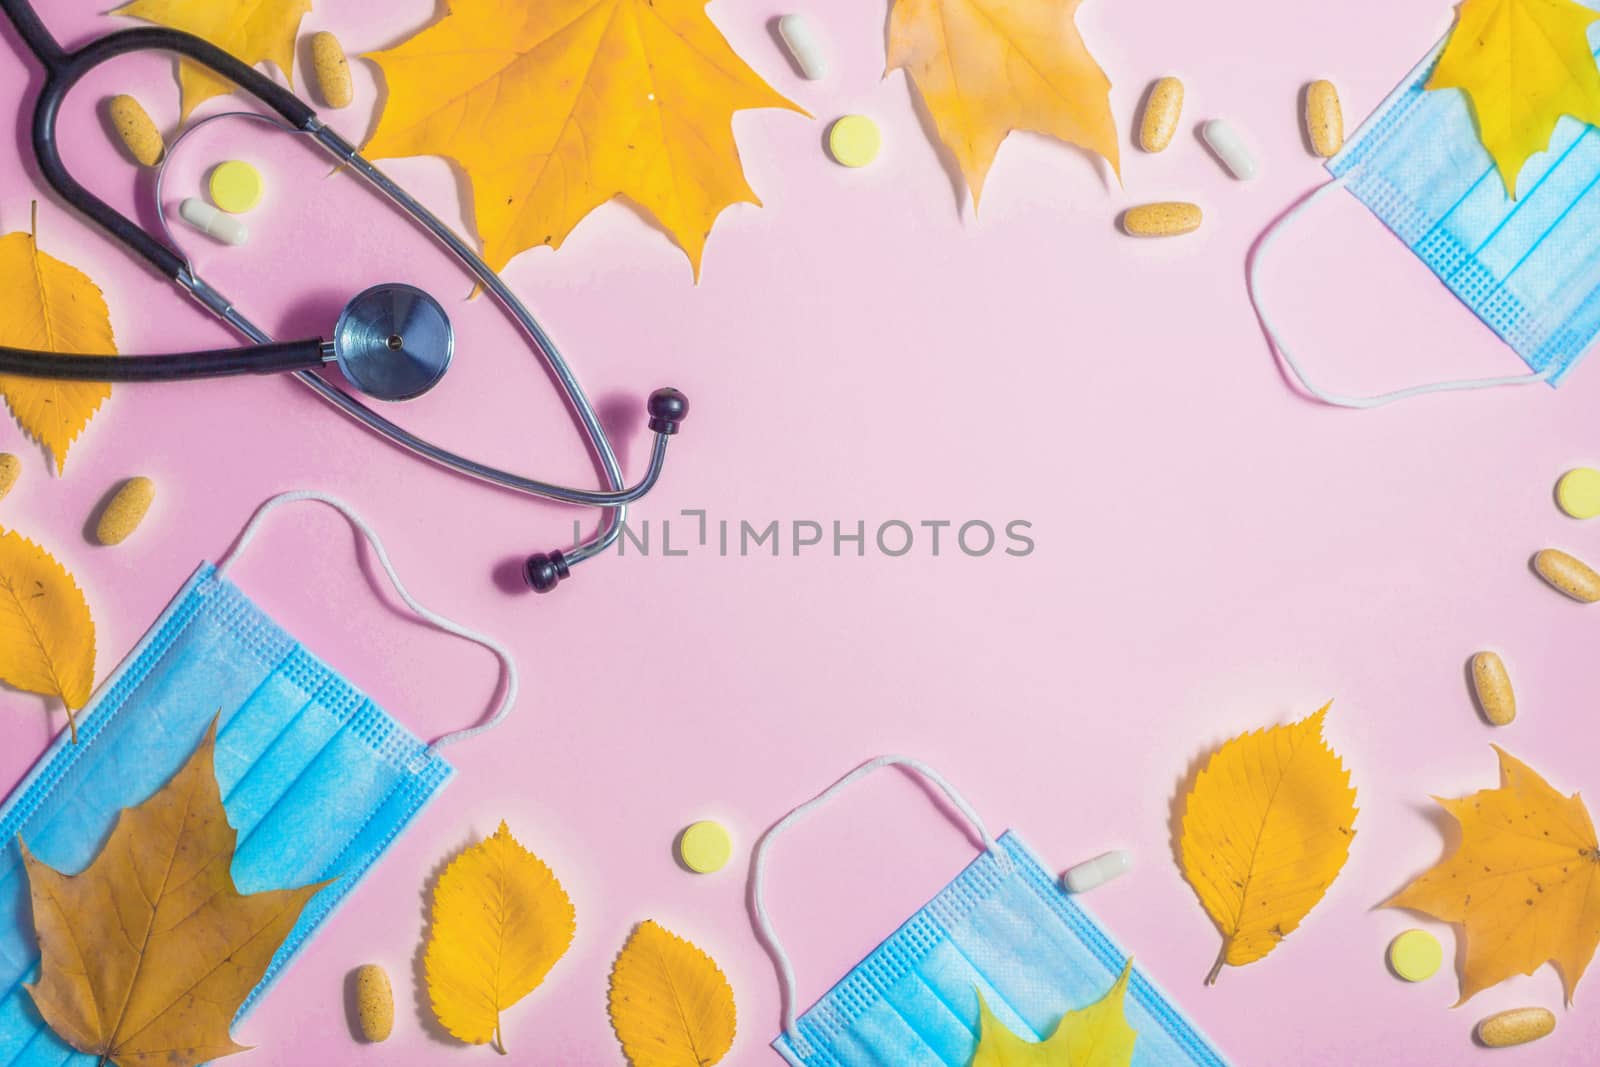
x,y
1215,553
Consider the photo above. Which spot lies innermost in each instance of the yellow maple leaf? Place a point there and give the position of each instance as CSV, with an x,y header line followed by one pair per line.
x,y
1524,64
1096,1036
48,305
148,952
554,108
670,1004
46,632
251,31
1266,829
987,67
1524,883
500,921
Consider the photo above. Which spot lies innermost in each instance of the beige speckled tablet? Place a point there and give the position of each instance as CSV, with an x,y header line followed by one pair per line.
x,y
1493,687
138,132
1516,1027
1569,574
1162,113
1324,118
10,467
126,511
332,69
1167,219
374,1002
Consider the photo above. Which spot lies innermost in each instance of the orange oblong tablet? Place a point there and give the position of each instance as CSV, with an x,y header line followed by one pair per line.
x,y
1172,218
1568,574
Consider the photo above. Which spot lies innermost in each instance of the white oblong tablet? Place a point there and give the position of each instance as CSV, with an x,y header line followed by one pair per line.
x,y
1230,148
213,223
804,45
1097,872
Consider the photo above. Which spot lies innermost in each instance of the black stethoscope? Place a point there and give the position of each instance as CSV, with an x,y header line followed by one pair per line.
x,y
392,342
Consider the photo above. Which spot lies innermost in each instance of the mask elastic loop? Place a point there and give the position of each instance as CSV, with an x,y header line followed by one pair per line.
x,y
1340,399
758,863
507,664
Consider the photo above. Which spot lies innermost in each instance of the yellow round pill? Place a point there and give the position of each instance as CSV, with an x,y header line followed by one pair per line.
x,y
853,140
705,847
1578,493
1415,955
235,186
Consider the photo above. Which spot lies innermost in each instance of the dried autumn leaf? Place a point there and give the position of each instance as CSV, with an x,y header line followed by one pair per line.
x,y
149,951
251,31
1096,1036
554,108
48,305
1266,829
987,67
1524,882
46,632
670,1004
500,921
1524,63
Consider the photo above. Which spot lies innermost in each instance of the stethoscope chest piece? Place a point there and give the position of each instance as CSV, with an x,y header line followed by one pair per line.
x,y
393,342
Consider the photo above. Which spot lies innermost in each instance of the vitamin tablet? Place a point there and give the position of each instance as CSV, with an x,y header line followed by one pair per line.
x,y
854,140
1162,113
235,186
803,44
125,512
1230,149
1324,118
1168,219
1570,575
1516,1027
705,847
10,467
139,134
374,1002
1493,686
1578,493
1097,872
332,70
1415,955
208,220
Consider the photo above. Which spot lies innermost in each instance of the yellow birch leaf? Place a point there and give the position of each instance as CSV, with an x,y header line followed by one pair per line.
x,y
251,31
1524,883
554,108
500,921
987,67
670,1004
1096,1036
46,304
46,633
1266,829
1524,64
148,952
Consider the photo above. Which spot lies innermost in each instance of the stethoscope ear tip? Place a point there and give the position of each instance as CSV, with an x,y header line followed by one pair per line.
x,y
544,571
667,408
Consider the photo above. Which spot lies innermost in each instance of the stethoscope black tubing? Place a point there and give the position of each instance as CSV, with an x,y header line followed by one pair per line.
x,y
179,366
63,69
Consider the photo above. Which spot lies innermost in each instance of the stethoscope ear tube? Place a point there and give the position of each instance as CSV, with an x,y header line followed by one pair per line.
x,y
179,366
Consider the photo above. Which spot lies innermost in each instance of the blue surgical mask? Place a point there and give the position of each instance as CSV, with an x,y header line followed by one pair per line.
x,y
316,778
1528,267
1003,929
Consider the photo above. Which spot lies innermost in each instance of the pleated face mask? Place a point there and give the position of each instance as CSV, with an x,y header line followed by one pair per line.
x,y
1528,267
1003,930
316,778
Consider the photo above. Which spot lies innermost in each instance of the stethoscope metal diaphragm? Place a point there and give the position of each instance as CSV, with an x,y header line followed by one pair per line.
x,y
393,342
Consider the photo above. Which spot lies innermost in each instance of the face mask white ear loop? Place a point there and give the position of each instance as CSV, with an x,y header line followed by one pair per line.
x,y
758,863
507,664
1340,399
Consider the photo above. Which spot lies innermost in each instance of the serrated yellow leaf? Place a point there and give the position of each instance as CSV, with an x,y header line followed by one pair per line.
x,y
670,1004
500,921
554,108
987,67
46,632
47,305
1524,883
147,953
252,31
1096,1036
1266,829
1524,64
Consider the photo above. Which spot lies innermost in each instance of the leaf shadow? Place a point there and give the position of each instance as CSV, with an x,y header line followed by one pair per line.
x,y
1450,832
421,1006
1179,803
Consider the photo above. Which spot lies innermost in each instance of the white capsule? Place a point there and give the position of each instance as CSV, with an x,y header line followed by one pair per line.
x,y
208,220
1230,148
1098,871
803,44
